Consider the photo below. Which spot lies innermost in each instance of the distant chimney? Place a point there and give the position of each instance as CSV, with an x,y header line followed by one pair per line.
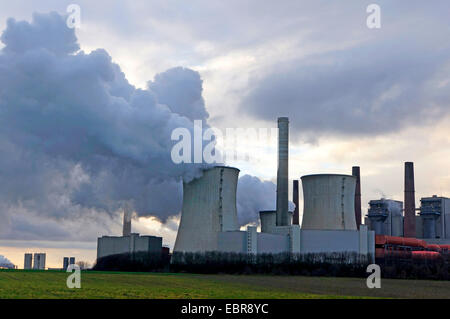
x,y
410,202
282,173
295,219
126,222
357,174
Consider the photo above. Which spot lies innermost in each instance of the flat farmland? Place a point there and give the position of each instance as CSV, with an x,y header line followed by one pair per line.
x,y
111,285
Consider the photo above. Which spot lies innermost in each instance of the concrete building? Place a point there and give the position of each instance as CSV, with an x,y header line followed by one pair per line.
x,y
128,243
209,217
39,261
28,261
385,217
65,263
329,202
434,221
209,207
110,245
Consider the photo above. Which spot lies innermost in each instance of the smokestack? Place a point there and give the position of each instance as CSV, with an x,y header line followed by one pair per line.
x,y
357,173
282,173
126,221
295,218
410,201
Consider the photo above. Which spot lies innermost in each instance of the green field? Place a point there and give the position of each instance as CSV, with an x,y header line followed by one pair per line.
x,y
52,284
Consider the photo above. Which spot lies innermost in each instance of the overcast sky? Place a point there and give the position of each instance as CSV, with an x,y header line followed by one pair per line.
x,y
355,96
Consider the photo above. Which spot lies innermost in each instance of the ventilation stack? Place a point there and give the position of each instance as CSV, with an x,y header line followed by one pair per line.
x,y
282,172
410,201
295,219
126,221
357,173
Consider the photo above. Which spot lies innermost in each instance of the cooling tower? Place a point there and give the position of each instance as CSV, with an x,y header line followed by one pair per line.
x,y
282,173
329,202
357,173
410,201
209,207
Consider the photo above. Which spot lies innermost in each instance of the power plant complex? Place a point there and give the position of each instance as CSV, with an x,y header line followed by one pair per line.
x,y
331,222
209,215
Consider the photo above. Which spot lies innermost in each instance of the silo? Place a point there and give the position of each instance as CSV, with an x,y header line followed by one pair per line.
x,y
209,207
329,202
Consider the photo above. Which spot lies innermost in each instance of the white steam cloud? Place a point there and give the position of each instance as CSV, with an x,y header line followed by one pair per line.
x,y
77,140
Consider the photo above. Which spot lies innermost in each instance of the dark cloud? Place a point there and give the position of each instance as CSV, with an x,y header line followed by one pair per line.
x,y
374,88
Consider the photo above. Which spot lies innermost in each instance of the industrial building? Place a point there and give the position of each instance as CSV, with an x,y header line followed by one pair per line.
x,y
129,242
432,223
209,216
434,220
385,217
67,261
39,261
28,261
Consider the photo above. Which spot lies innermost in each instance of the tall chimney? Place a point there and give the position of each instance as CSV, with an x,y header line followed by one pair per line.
x,y
357,173
282,173
126,221
295,218
410,201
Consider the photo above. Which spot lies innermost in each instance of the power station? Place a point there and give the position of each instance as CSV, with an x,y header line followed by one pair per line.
x,y
209,216
331,221
129,242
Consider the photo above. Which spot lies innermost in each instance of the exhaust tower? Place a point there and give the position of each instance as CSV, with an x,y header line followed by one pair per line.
x,y
410,201
295,219
282,172
357,173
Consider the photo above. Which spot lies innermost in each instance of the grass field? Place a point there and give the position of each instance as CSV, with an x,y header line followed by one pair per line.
x,y
52,284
